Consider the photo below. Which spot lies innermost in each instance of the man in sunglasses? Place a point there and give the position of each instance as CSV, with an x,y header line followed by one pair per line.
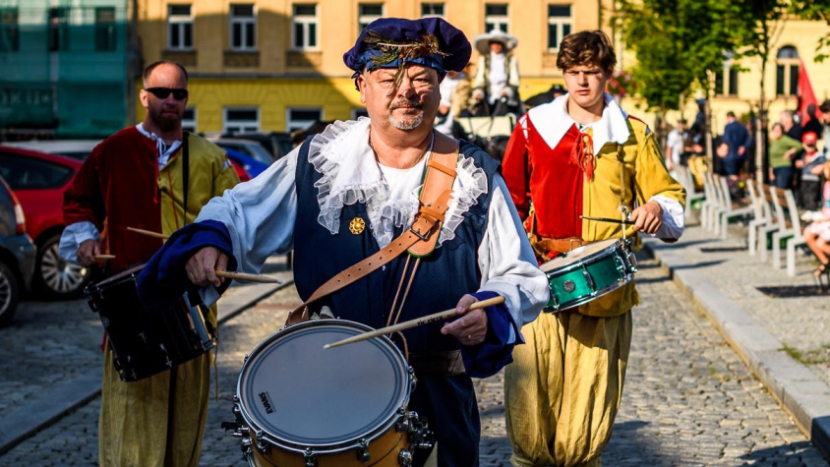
x,y
136,178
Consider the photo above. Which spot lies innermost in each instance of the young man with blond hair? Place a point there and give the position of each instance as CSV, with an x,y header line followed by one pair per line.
x,y
580,155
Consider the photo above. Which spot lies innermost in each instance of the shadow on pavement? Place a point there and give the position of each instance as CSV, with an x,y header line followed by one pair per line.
x,y
701,265
793,291
774,455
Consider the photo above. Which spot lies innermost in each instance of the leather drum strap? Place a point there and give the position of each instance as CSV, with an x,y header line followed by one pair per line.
x,y
419,240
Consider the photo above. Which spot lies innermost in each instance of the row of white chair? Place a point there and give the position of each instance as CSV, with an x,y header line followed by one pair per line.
x,y
769,212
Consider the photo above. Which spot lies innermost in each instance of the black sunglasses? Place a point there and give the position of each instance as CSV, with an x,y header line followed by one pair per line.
x,y
163,93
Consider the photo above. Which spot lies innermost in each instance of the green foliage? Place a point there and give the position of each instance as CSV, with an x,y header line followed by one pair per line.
x,y
678,43
816,10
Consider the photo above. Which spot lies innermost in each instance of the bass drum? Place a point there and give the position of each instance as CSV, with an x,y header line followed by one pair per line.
x,y
298,405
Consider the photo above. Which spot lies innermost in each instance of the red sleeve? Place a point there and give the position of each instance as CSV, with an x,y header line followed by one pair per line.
x,y
516,170
83,200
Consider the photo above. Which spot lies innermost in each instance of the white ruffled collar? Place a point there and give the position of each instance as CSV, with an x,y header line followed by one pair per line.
x,y
552,121
350,174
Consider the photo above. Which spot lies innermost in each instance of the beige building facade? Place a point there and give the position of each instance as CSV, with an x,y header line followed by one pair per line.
x,y
276,65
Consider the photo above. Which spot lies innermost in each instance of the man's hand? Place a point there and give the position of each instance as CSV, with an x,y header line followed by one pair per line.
x,y
470,329
87,252
201,268
647,218
443,109
741,150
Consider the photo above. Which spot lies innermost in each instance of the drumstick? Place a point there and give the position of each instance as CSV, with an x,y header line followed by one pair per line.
x,y
148,233
241,276
104,257
608,219
414,323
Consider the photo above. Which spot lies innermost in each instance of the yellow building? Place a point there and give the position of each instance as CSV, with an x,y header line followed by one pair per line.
x,y
276,65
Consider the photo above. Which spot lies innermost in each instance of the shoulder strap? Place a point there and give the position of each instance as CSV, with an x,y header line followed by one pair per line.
x,y
185,170
419,240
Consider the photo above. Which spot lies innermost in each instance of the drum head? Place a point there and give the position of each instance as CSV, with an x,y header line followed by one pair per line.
x,y
302,395
577,255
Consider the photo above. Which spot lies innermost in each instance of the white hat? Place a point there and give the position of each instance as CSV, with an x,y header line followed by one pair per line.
x,y
482,41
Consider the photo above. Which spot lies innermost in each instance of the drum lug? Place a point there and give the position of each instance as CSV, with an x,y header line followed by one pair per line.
x,y
310,458
589,279
403,422
405,458
262,448
246,447
363,454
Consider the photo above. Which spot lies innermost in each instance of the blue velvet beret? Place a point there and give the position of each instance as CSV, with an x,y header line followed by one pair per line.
x,y
453,48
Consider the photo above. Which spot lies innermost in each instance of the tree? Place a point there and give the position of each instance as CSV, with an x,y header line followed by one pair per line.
x,y
816,10
763,21
679,44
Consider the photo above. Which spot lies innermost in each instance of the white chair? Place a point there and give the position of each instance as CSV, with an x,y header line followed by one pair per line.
x,y
779,224
685,177
763,215
709,202
798,237
728,211
723,200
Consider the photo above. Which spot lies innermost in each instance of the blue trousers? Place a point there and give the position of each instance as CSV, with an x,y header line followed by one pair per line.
x,y
450,406
783,177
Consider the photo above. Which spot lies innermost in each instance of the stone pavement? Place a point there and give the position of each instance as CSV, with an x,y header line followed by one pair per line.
x,y
781,334
689,399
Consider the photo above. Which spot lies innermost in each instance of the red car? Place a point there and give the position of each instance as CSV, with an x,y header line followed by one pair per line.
x,y
39,180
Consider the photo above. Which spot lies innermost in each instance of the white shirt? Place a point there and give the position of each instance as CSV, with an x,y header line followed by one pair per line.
x,y
498,76
260,214
675,142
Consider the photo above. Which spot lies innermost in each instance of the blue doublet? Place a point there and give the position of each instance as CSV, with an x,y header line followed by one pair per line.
x,y
443,277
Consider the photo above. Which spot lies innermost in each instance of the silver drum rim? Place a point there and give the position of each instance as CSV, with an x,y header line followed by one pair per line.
x,y
324,449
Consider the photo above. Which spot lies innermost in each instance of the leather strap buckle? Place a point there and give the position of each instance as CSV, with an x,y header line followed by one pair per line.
x,y
571,242
418,234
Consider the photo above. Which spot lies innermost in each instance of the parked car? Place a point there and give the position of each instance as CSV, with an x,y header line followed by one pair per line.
x,y
248,148
39,180
17,253
76,149
276,143
250,165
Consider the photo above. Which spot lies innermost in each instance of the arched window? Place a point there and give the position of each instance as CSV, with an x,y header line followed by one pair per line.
x,y
786,71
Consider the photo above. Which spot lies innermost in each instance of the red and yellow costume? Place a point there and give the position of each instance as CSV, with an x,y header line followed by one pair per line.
x,y
121,185
563,390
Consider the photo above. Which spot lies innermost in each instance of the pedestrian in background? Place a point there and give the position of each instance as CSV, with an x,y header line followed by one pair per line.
x,y
811,163
825,120
675,144
791,127
497,74
782,155
738,141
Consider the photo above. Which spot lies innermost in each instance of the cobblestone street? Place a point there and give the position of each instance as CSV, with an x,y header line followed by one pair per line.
x,y
689,400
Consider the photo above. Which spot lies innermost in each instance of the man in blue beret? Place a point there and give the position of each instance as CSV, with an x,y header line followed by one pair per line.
x,y
428,218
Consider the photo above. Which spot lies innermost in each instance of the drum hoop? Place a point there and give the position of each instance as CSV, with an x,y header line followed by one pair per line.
x,y
325,449
611,249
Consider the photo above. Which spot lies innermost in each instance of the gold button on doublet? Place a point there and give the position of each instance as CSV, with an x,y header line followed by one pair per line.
x,y
357,226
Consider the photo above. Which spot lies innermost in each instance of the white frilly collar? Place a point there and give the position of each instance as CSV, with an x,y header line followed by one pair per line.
x,y
552,121
350,174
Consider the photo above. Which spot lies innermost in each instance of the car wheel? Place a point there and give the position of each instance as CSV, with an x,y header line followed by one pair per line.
x,y
9,294
55,276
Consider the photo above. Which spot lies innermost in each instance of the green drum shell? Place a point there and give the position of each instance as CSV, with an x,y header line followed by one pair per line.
x,y
590,278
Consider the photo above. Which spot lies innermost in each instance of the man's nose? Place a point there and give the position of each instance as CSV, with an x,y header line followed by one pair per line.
x,y
406,89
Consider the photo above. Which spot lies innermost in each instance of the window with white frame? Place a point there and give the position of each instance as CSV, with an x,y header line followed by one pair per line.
x,y
787,68
560,23
243,27
368,12
495,17
189,119
240,120
432,9
305,27
179,27
302,118
358,112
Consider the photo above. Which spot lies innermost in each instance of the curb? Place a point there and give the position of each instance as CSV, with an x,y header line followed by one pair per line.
x,y
41,412
801,392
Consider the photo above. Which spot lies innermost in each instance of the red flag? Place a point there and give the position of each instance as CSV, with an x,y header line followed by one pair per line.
x,y
806,95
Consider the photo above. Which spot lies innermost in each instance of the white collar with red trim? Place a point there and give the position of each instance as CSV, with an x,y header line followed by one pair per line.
x,y
552,121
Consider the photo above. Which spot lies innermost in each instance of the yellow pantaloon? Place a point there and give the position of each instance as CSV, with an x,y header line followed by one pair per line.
x,y
563,389
138,428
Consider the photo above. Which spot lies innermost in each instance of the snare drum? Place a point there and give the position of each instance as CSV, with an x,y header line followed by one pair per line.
x,y
145,343
589,272
299,405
